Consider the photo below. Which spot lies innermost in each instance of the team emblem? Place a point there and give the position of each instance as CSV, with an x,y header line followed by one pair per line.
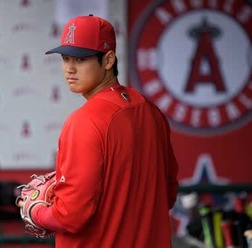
x,y
193,60
70,34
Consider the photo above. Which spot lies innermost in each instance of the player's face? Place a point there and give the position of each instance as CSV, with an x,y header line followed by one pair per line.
x,y
86,75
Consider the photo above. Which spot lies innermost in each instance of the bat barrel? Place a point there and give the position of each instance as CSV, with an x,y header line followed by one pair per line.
x,y
227,229
218,236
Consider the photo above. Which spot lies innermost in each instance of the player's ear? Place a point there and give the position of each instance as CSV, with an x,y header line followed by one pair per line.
x,y
109,59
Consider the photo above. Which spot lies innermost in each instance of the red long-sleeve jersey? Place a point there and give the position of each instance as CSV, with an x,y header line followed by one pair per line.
x,y
116,175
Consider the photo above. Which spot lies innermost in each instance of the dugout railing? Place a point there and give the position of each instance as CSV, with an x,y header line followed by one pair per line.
x,y
26,240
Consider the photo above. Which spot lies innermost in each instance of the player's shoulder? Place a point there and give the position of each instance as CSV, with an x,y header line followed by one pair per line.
x,y
120,96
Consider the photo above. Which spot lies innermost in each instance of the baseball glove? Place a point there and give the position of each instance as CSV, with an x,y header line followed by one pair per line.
x,y
40,190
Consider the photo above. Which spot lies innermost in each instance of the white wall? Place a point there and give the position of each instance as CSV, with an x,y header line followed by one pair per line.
x,y
34,99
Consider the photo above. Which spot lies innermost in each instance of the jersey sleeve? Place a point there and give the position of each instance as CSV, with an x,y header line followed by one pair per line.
x,y
43,217
79,173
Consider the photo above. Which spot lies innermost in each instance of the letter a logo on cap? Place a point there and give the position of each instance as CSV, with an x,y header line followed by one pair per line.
x,y
70,35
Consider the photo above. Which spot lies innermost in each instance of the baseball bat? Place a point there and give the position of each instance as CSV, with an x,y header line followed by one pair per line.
x,y
239,205
248,209
239,239
206,222
227,229
218,236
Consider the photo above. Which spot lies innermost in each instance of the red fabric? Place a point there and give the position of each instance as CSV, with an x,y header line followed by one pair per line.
x,y
42,216
116,174
89,32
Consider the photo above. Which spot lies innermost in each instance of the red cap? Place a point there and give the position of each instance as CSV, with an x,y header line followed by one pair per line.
x,y
85,36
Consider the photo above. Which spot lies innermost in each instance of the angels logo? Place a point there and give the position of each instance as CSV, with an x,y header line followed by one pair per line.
x,y
193,60
70,35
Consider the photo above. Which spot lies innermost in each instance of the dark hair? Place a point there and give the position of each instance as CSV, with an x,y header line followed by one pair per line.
x,y
115,65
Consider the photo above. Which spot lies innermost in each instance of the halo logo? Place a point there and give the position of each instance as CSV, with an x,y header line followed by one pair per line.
x,y
70,35
193,60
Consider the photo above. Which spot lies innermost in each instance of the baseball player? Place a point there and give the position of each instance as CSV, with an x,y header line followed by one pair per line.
x,y
116,173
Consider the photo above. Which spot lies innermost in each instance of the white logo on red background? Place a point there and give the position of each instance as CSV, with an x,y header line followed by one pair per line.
x,y
70,34
193,60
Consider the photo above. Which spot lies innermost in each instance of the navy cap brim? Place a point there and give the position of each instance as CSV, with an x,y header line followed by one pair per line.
x,y
73,51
